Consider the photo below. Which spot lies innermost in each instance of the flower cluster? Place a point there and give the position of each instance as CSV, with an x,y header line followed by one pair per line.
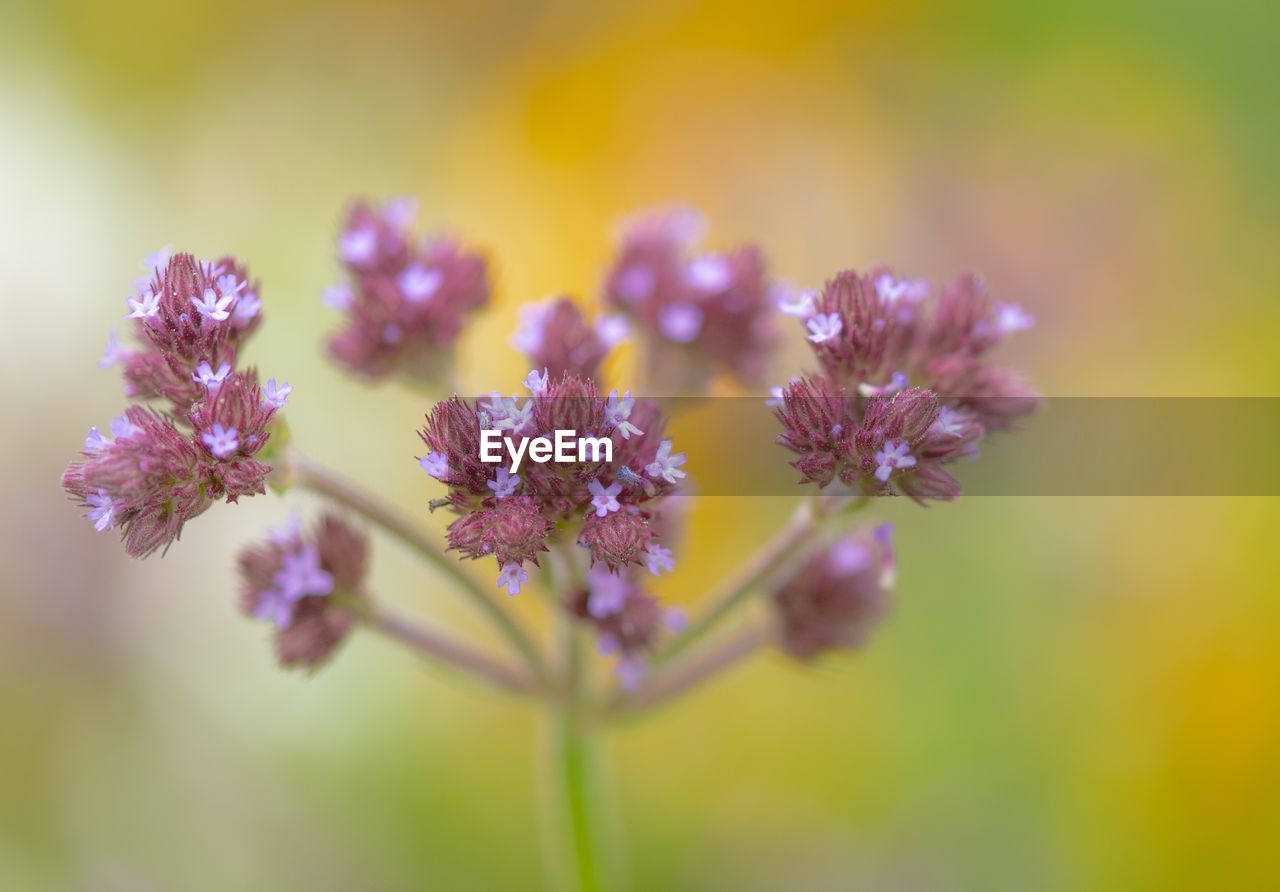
x,y
626,619
837,595
159,468
406,301
611,506
905,387
701,312
556,337
292,579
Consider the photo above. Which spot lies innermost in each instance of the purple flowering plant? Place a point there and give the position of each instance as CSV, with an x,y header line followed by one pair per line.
x,y
902,387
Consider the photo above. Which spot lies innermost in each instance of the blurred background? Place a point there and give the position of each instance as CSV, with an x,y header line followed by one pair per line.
x,y
1071,692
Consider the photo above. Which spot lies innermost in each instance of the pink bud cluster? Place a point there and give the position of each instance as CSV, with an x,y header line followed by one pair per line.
x,y
716,305
555,336
406,300
905,388
162,467
612,507
837,595
291,580
626,619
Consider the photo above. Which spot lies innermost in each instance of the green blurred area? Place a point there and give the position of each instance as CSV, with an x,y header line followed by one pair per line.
x,y
1071,693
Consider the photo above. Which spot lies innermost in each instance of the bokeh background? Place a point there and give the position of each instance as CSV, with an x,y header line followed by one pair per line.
x,y
1072,693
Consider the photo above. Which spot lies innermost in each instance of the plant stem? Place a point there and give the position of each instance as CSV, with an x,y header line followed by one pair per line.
x,y
667,685
307,473
435,647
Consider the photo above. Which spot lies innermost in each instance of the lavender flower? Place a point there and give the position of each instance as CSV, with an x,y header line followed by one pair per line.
x,y
406,302
699,313
836,596
291,580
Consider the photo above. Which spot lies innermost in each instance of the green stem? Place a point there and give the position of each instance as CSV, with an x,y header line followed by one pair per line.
x,y
306,473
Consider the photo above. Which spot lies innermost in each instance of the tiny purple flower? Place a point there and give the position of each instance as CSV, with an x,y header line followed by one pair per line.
x,y
635,283
418,284
536,383
680,322
338,297
804,306
533,323
505,485
604,500
358,246
612,330
710,274
512,577
213,307
211,380
273,605
891,289
95,442
246,308
950,422
666,465
122,428
113,353
657,559
229,286
824,327
617,410
101,510
630,672
892,455
607,644
436,464
898,382
222,442
276,395
144,307
608,592
1011,318
301,575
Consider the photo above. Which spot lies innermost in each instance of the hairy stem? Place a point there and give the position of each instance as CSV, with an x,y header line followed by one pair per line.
x,y
668,684
307,473
808,519
434,647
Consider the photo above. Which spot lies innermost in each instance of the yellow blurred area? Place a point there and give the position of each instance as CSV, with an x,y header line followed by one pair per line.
x,y
1070,693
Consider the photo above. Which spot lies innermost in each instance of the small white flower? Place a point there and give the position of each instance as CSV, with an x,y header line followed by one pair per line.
x,y
892,455
665,465
891,289
898,382
512,578
824,327
604,500
122,428
229,286
505,485
435,464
